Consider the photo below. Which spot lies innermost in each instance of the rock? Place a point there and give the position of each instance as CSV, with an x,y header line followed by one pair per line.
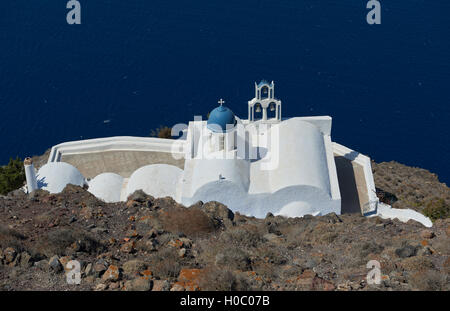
x,y
16,193
310,263
89,279
99,267
54,264
177,288
219,211
9,254
161,285
99,230
86,212
16,261
306,280
153,233
177,243
424,251
139,196
406,251
114,285
189,279
100,287
42,265
146,274
273,238
63,261
150,245
25,260
132,234
38,193
89,269
128,247
427,234
139,284
187,243
112,274
321,284
133,266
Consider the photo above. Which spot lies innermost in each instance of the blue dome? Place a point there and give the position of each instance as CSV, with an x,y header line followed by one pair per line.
x,y
220,116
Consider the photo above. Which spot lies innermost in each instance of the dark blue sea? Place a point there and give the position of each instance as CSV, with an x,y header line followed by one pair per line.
x,y
134,65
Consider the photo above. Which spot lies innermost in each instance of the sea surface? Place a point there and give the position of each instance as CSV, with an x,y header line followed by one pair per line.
x,y
134,65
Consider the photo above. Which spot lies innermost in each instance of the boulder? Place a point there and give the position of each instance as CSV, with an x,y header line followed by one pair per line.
x,y
133,266
406,251
139,284
112,274
161,285
9,254
54,264
427,234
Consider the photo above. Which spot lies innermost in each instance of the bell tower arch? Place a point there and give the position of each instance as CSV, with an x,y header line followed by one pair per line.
x,y
264,102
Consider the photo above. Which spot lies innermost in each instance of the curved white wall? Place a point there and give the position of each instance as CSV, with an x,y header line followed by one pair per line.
x,y
236,171
107,187
158,180
295,201
55,176
302,157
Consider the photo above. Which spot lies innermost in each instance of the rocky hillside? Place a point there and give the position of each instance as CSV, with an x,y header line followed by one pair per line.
x,y
157,244
411,187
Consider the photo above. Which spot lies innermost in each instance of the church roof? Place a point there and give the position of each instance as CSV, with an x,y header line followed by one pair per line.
x,y
107,187
55,176
219,118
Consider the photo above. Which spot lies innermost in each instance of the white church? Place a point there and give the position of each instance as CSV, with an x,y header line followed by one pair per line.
x,y
264,163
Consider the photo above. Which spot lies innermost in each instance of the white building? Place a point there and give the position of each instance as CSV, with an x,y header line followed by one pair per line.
x,y
263,163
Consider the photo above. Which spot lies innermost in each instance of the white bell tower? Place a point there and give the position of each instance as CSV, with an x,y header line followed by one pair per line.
x,y
264,106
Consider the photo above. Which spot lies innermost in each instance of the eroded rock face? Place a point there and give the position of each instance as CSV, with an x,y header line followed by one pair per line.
x,y
158,244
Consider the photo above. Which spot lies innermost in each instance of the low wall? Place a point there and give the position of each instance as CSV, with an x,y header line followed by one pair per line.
x,y
364,161
118,143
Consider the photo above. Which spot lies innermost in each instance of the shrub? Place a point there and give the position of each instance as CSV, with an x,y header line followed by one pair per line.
x,y
234,258
162,132
190,221
221,279
164,263
430,280
11,238
247,236
12,176
56,242
437,209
